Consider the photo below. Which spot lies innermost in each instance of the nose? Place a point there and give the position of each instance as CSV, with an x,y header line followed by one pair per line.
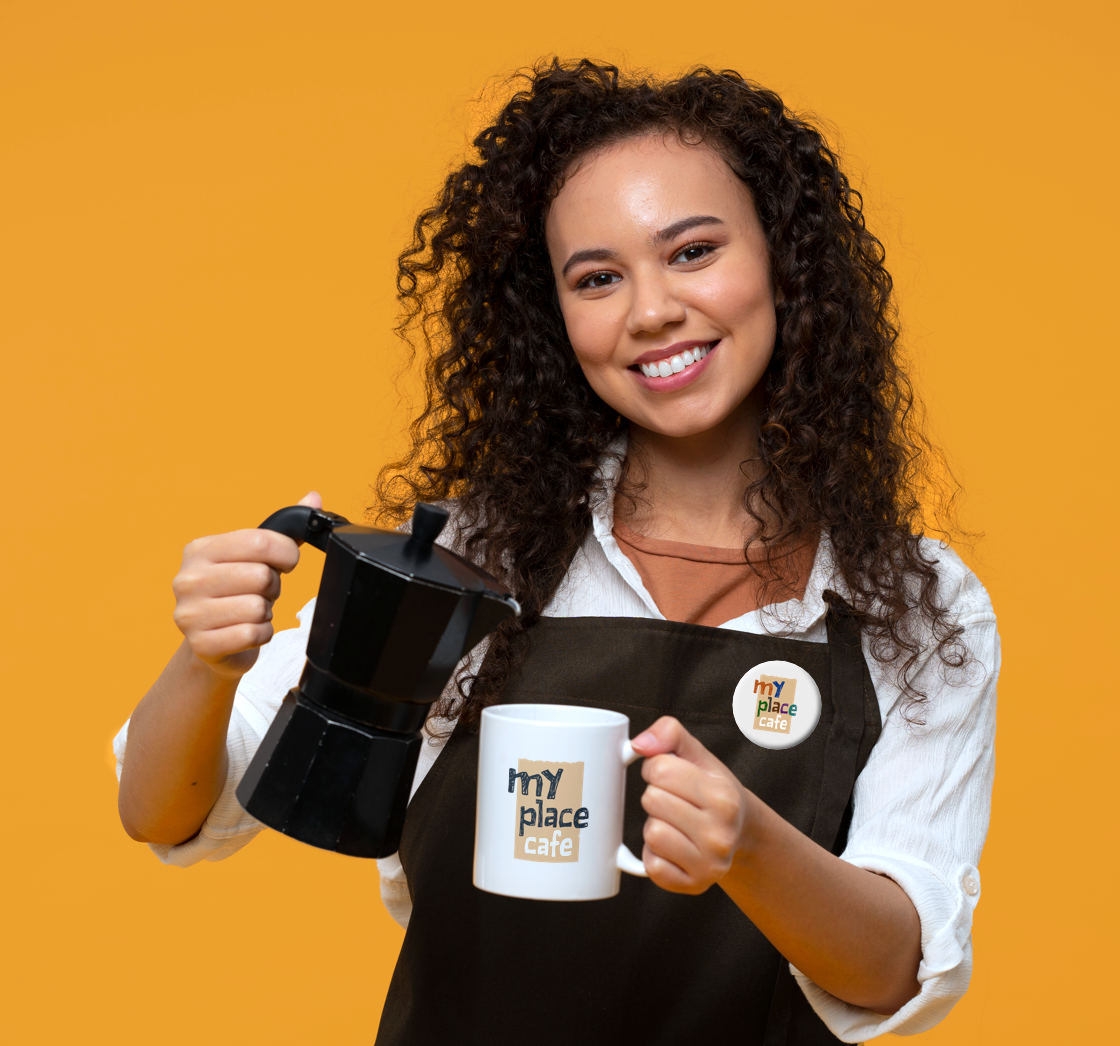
x,y
653,303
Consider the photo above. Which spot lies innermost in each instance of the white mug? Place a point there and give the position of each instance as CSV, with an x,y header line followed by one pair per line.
x,y
551,783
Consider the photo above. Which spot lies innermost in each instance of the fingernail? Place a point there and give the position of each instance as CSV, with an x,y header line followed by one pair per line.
x,y
644,738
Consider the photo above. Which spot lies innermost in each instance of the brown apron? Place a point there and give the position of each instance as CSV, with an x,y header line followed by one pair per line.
x,y
646,966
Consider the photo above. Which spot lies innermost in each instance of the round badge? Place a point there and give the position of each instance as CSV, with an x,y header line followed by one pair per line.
x,y
776,704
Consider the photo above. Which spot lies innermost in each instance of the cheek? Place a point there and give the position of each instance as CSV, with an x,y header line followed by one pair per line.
x,y
591,339
741,303
749,315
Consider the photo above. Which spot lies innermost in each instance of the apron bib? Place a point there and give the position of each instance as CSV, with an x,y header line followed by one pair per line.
x,y
646,965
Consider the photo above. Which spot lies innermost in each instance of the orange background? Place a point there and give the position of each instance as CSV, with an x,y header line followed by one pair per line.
x,y
201,207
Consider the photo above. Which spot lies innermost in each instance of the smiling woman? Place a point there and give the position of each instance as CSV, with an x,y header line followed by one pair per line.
x,y
664,406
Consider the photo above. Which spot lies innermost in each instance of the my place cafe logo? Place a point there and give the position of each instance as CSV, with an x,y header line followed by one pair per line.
x,y
775,703
549,810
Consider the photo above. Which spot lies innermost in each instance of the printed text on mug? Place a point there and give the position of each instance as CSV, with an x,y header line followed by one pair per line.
x,y
549,809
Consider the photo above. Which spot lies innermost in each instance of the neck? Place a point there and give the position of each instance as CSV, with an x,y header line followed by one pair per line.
x,y
691,489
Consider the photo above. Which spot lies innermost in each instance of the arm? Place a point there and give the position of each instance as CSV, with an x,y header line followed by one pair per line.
x,y
920,818
175,761
854,933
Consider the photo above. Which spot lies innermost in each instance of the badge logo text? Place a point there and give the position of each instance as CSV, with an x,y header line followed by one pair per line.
x,y
775,706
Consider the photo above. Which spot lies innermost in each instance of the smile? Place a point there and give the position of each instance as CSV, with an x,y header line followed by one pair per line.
x,y
677,363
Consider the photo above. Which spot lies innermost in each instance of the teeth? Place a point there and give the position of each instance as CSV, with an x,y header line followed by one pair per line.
x,y
674,364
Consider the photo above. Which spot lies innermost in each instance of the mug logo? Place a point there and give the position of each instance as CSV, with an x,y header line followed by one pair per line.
x,y
776,705
549,810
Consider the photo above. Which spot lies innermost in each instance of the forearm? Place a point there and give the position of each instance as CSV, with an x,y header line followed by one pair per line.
x,y
175,761
853,933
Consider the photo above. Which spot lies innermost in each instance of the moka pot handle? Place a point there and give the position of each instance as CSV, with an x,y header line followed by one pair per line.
x,y
303,523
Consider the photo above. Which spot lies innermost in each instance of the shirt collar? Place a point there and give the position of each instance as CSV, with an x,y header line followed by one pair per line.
x,y
791,617
602,494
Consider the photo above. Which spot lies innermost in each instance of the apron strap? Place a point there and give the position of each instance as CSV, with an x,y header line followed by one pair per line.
x,y
846,671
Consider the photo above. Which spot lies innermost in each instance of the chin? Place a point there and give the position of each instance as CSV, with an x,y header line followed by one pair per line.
x,y
682,430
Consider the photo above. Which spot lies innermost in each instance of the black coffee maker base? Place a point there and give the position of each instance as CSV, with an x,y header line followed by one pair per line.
x,y
331,782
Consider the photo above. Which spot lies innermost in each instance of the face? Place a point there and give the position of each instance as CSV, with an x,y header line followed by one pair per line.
x,y
664,283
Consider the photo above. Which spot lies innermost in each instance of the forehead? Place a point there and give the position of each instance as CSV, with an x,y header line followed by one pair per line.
x,y
641,185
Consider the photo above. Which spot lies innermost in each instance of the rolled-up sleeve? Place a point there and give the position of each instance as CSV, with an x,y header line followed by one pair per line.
x,y
920,816
228,827
394,884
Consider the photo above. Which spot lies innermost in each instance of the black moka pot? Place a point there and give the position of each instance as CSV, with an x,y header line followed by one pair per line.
x,y
394,615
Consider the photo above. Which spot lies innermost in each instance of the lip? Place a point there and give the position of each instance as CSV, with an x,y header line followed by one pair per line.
x,y
674,381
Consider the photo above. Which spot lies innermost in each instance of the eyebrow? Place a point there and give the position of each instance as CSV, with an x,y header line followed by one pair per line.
x,y
670,232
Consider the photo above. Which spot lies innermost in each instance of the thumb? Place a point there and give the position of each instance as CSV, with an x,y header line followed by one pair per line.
x,y
311,499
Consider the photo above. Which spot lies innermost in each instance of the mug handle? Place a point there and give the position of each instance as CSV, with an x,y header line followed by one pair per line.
x,y
624,859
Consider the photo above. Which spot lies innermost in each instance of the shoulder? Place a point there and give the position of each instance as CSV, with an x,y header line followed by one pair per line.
x,y
959,590
951,654
954,661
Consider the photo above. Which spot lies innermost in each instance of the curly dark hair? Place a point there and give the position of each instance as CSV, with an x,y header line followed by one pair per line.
x,y
512,431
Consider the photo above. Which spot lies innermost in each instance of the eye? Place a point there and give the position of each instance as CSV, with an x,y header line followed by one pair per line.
x,y
693,252
596,280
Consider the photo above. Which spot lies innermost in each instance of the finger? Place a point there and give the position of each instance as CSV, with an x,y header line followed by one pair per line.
x,y
246,546
210,614
312,499
684,812
669,843
217,643
672,829
712,826
670,876
668,735
213,581
673,774
714,790
714,829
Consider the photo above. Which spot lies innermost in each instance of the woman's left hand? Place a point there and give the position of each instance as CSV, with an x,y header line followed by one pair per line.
x,y
698,810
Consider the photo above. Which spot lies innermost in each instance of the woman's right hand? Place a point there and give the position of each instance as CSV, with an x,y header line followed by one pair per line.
x,y
224,593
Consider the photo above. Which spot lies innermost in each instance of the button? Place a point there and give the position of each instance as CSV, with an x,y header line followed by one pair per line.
x,y
776,704
971,886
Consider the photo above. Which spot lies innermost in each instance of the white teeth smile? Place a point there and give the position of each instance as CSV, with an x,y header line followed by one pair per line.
x,y
675,364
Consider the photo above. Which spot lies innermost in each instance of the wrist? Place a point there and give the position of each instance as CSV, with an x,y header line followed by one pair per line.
x,y
752,832
216,679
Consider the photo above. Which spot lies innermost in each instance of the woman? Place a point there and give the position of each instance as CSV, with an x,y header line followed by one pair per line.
x,y
664,400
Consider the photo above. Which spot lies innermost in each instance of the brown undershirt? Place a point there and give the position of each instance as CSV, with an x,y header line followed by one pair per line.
x,y
708,586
